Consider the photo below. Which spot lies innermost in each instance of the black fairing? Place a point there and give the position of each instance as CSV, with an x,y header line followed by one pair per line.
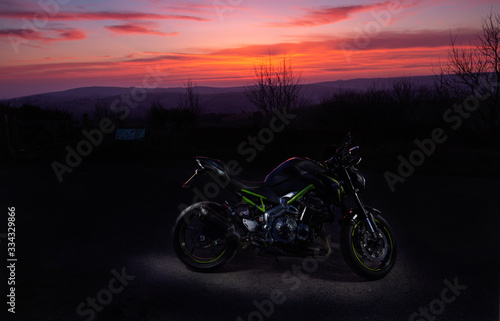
x,y
294,175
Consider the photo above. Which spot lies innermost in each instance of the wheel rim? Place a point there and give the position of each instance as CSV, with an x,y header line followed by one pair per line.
x,y
372,254
200,242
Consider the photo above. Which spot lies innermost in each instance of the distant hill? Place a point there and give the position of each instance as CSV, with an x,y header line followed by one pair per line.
x,y
379,83
227,100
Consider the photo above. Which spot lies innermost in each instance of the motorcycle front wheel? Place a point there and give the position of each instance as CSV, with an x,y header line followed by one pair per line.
x,y
369,257
199,244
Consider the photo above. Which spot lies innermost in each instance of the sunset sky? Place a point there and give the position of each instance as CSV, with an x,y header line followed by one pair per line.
x,y
52,45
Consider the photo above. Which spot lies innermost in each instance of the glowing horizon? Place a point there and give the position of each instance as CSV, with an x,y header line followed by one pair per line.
x,y
53,45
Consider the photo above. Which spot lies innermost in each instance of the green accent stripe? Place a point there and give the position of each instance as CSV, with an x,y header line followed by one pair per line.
x,y
300,194
254,194
249,201
260,207
340,191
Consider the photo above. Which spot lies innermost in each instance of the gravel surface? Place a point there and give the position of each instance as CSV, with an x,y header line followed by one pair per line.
x,y
104,233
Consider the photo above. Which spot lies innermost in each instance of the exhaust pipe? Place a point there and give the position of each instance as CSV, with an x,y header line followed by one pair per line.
x,y
220,222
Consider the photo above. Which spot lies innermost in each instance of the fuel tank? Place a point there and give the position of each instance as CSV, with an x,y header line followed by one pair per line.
x,y
294,174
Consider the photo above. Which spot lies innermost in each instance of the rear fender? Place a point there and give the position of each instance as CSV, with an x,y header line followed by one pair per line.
x,y
214,165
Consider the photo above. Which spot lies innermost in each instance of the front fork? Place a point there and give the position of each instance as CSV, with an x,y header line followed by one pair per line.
x,y
367,216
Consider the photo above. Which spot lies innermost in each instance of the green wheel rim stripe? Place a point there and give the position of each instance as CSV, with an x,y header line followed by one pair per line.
x,y
191,257
355,253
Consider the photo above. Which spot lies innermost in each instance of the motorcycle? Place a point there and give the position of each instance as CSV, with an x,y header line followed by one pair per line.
x,y
286,215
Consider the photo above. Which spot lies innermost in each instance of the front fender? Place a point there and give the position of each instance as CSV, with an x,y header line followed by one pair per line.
x,y
352,216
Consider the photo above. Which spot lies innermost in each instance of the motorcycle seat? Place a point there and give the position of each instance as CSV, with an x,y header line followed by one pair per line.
x,y
260,188
249,185
221,168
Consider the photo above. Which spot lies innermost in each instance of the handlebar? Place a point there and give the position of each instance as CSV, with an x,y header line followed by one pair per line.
x,y
343,153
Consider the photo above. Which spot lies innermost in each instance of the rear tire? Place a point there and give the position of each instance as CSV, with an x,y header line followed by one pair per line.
x,y
200,245
368,258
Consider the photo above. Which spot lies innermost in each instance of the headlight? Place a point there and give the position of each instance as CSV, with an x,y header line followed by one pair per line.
x,y
358,180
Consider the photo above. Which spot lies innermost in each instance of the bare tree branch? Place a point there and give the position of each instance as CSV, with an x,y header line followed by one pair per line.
x,y
191,99
474,69
276,87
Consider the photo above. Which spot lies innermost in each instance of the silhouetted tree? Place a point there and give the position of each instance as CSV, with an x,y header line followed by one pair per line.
x,y
474,69
276,87
163,118
191,99
158,115
101,110
403,91
30,111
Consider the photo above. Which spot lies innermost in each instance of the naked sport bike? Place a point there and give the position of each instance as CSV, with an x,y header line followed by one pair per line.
x,y
285,215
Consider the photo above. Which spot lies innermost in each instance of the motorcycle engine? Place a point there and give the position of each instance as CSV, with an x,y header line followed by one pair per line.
x,y
286,230
294,224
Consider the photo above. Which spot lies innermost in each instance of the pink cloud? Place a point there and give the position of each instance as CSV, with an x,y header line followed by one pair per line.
x,y
412,39
68,34
220,7
190,8
101,15
31,34
329,15
48,35
140,28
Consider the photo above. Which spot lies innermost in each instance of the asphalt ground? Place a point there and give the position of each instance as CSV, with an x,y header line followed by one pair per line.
x,y
97,247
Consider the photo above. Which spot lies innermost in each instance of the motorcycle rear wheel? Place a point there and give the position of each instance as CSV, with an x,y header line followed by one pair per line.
x,y
199,244
369,258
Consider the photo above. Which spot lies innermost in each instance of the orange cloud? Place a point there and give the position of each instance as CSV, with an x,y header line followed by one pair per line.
x,y
389,54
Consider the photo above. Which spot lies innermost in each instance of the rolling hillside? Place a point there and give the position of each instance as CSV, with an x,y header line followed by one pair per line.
x,y
226,100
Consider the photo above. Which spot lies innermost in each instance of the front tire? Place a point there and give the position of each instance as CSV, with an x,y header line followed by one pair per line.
x,y
199,244
369,258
